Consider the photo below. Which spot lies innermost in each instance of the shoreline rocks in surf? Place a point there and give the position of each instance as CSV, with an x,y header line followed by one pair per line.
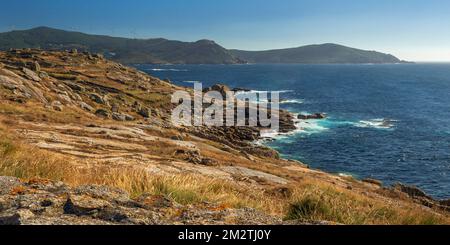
x,y
313,116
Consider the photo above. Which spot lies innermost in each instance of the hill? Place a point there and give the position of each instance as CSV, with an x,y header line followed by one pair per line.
x,y
316,54
151,51
163,51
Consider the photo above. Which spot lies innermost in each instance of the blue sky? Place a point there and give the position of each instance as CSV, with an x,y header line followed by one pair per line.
x,y
417,30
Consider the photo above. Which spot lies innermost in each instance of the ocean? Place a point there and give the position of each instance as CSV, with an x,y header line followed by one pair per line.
x,y
387,122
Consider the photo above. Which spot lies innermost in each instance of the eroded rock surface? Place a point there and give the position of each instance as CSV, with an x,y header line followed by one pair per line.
x,y
43,202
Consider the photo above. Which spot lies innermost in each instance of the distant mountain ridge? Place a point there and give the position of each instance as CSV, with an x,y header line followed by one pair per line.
x,y
163,51
316,54
125,50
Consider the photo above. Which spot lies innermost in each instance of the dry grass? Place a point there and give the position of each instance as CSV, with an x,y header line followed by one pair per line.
x,y
34,112
155,100
310,200
318,201
63,76
23,161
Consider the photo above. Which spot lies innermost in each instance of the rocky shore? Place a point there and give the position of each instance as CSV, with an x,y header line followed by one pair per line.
x,y
90,141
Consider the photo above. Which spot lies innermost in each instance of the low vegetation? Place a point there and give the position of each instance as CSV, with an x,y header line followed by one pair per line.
x,y
308,201
33,113
315,201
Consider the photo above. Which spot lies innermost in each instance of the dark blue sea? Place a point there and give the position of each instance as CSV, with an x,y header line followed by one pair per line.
x,y
388,122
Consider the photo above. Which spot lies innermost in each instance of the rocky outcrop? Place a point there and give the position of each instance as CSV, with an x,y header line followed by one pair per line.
x,y
241,90
121,93
412,191
122,117
102,113
313,116
31,74
194,156
44,202
75,87
57,106
98,99
145,112
86,81
86,107
36,67
222,89
373,181
22,88
421,197
286,122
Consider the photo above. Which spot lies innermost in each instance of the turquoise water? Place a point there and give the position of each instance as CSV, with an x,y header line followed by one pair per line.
x,y
389,122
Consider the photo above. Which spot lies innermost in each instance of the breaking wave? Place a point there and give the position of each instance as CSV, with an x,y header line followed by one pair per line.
x,y
161,69
261,92
378,123
293,101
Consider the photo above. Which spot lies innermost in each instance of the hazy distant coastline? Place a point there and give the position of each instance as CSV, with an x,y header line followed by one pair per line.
x,y
163,51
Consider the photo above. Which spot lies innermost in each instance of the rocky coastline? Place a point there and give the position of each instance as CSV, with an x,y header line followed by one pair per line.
x,y
90,141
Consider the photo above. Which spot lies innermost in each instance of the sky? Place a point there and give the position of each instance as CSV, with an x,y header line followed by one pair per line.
x,y
413,30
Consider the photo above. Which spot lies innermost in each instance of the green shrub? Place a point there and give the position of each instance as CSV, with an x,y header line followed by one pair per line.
x,y
308,208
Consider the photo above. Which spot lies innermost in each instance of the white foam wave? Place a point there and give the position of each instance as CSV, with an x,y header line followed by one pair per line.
x,y
161,69
346,175
269,134
378,123
310,126
262,92
302,127
293,101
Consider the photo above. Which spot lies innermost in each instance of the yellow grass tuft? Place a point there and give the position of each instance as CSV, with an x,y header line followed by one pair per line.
x,y
317,201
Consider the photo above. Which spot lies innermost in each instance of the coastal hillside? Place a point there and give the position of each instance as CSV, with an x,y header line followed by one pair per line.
x,y
316,54
163,51
86,140
124,50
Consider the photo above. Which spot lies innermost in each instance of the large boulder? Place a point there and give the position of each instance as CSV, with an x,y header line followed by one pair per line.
x,y
122,117
86,107
57,106
8,82
412,191
373,181
98,56
31,74
36,67
75,87
97,99
145,112
102,113
115,108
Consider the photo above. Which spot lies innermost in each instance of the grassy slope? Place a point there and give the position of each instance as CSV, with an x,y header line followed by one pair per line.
x,y
310,199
